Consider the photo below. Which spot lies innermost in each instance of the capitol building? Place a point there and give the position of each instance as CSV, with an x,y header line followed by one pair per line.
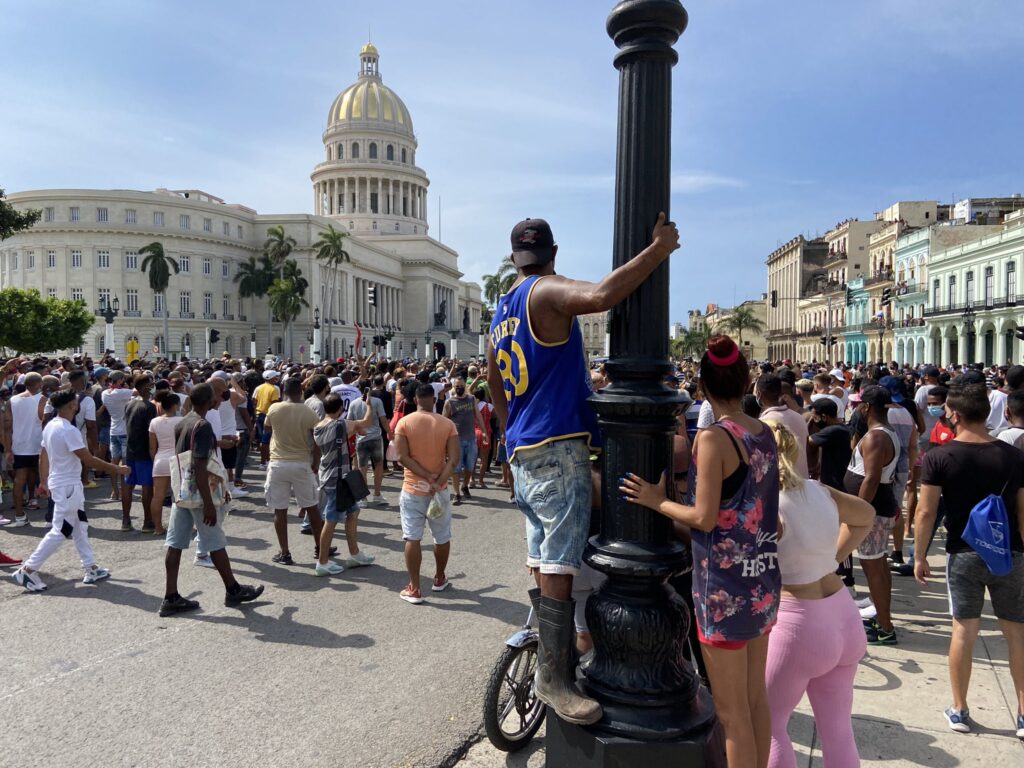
x,y
368,185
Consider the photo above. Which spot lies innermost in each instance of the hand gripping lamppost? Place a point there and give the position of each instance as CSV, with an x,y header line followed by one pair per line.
x,y
655,711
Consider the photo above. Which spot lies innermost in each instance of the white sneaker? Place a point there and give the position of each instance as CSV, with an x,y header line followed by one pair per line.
x,y
4,520
263,467
203,561
868,613
239,493
864,602
30,581
331,569
358,559
96,574
20,521
379,501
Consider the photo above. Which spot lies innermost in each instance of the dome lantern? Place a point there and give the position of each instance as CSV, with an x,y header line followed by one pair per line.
x,y
369,57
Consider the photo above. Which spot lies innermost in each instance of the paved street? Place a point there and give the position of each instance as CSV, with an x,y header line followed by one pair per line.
x,y
341,672
335,671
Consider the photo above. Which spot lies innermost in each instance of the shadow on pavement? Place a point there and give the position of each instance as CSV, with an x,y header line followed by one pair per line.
x,y
284,629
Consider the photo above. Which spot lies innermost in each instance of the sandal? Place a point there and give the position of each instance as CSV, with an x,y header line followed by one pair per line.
x,y
502,484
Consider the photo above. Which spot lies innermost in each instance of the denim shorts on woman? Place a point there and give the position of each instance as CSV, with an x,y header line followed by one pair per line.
x,y
553,491
330,506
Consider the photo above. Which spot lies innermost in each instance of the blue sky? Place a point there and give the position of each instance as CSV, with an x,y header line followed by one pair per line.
x,y
788,116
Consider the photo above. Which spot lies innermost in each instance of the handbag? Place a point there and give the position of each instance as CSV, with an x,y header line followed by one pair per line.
x,y
352,489
184,488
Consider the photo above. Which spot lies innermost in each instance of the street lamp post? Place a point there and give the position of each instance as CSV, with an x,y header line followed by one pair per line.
x,y
655,710
109,310
881,333
426,346
252,341
317,336
968,318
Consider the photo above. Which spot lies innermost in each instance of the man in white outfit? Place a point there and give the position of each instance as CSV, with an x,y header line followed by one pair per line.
x,y
61,460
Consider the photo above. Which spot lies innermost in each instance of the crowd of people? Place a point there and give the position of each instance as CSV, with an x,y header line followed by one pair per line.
x,y
781,473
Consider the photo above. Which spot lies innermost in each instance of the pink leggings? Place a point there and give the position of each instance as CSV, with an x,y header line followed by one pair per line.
x,y
815,648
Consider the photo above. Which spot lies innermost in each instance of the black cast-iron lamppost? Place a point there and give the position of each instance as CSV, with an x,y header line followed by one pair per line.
x,y
968,318
426,345
316,338
655,711
109,310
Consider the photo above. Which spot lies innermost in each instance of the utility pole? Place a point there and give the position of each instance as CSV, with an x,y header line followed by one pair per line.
x,y
828,331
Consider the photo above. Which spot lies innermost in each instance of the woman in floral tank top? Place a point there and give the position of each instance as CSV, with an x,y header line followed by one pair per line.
x,y
733,515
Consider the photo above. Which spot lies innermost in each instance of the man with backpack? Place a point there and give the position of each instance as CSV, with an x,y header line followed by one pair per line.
x,y
966,472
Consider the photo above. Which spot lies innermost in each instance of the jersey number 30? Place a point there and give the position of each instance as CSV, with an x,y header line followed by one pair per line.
x,y
515,380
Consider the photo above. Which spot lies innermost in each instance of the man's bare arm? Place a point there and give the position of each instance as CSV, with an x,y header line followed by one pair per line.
x,y
578,297
497,386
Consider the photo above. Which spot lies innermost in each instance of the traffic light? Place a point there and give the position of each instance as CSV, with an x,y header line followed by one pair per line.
x,y
1019,333
214,335
848,301
371,295
823,341
775,299
833,341
886,297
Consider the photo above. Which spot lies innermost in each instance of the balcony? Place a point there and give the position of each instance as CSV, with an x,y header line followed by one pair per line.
x,y
132,313
909,289
242,319
911,322
158,313
187,315
883,276
209,315
978,305
816,330
227,317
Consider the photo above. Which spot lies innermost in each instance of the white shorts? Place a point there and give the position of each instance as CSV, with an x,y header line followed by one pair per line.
x,y
287,477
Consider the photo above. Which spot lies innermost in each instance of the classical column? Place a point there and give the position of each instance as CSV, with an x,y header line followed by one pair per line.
x,y
656,713
1002,354
962,351
944,360
423,192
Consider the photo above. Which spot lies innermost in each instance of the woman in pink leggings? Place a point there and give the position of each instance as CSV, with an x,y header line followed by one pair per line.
x,y
819,639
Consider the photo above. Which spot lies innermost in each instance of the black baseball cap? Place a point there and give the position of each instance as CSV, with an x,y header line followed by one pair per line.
x,y
532,243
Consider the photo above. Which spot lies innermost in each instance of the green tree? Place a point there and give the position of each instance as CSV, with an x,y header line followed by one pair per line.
x,y
277,248
694,342
498,284
254,278
158,266
28,323
287,296
13,221
330,249
742,319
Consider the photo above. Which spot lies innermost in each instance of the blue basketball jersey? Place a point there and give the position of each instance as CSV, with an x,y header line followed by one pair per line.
x,y
547,385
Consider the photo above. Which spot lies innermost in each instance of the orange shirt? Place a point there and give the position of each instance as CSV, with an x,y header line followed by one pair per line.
x,y
427,436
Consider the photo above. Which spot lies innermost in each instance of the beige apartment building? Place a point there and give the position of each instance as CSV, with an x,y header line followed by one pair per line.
x,y
792,269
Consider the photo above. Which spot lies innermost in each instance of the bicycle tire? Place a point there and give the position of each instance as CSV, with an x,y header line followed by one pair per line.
x,y
530,710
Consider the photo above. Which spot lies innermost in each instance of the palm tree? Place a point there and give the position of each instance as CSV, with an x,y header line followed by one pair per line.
x,y
287,296
330,249
277,248
695,341
254,278
742,319
497,285
158,265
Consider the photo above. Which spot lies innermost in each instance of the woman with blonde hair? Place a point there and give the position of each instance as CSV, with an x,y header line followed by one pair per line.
x,y
818,640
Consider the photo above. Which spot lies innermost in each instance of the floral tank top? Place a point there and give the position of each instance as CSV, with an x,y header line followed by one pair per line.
x,y
736,577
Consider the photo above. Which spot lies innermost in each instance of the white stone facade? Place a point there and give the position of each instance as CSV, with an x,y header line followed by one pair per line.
x,y
86,247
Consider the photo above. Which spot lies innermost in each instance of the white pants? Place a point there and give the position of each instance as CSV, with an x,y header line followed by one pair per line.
x,y
69,522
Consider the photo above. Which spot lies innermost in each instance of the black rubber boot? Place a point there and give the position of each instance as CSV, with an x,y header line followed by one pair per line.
x,y
535,601
556,675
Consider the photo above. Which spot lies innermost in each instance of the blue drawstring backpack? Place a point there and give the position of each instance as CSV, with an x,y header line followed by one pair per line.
x,y
988,534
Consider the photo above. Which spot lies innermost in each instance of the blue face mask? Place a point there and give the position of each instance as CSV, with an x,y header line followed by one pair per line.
x,y
936,410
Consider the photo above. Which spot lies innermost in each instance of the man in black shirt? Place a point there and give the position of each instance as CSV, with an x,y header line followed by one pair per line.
x,y
137,415
194,433
965,471
832,440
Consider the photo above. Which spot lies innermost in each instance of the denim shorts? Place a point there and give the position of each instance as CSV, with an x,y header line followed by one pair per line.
x,y
330,506
370,452
467,455
118,446
103,436
179,530
553,491
413,510
261,430
967,578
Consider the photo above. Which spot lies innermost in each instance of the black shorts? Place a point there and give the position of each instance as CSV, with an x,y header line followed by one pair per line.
x,y
26,462
967,578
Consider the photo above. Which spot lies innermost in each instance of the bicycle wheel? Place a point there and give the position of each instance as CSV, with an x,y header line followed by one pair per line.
x,y
512,712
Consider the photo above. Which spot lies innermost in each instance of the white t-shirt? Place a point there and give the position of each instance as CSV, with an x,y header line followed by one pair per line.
x,y
61,439
115,401
840,407
921,396
706,416
86,411
348,394
26,428
997,414
1014,436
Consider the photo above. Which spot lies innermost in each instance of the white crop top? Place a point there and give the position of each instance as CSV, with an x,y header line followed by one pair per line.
x,y
808,548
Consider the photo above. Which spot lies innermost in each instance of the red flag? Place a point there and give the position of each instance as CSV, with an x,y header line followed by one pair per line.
x,y
359,337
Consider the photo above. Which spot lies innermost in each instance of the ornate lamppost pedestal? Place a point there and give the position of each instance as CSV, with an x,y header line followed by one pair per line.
x,y
655,712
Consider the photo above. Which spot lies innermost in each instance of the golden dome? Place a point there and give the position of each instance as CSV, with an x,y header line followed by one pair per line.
x,y
368,103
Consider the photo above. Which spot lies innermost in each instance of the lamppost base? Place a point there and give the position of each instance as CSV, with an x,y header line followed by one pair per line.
x,y
585,747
